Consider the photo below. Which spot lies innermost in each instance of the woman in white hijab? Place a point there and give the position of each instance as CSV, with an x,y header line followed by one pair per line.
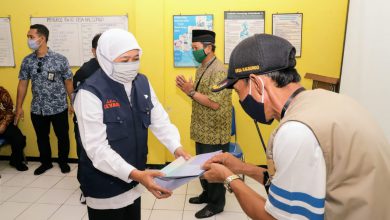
x,y
114,108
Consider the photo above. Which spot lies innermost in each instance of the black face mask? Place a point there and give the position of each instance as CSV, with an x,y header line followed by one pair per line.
x,y
255,109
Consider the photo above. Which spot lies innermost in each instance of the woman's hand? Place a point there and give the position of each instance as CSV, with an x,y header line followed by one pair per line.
x,y
181,152
146,178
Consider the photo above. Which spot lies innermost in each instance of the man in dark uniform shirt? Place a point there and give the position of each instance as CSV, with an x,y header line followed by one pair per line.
x,y
85,71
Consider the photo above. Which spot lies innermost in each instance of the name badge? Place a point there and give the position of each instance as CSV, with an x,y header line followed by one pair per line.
x,y
50,76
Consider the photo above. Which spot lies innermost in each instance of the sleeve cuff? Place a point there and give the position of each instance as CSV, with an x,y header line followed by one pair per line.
x,y
173,149
124,172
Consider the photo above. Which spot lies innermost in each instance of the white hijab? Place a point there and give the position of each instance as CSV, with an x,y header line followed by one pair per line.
x,y
112,44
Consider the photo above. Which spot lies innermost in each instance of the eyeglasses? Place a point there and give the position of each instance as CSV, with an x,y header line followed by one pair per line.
x,y
39,70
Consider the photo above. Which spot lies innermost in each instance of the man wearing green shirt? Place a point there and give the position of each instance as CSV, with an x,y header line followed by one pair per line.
x,y
211,115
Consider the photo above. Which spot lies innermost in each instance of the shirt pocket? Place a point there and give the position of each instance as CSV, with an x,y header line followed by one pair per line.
x,y
115,127
145,110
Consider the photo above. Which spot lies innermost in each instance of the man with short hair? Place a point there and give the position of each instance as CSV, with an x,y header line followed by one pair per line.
x,y
211,115
51,80
327,158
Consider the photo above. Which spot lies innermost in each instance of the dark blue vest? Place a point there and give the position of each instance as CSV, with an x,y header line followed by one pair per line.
x,y
127,132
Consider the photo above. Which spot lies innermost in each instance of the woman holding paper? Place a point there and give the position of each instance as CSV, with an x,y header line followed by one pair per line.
x,y
115,107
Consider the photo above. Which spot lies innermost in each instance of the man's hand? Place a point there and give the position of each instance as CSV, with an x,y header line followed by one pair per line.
x,y
237,166
184,85
19,114
216,173
2,128
4,123
228,160
146,179
181,152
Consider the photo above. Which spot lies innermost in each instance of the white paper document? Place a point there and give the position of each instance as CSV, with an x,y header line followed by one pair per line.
x,y
180,171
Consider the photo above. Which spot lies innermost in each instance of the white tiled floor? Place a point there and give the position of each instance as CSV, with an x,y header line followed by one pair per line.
x,y
55,196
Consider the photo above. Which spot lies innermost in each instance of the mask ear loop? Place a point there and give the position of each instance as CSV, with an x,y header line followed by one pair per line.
x,y
40,43
262,90
250,86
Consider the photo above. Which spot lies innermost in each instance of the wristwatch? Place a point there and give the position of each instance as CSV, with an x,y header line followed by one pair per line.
x,y
191,93
228,180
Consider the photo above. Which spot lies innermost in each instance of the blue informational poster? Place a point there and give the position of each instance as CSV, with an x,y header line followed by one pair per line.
x,y
182,35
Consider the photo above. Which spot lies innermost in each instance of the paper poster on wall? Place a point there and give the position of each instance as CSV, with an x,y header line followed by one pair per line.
x,y
240,25
182,37
6,47
72,36
289,27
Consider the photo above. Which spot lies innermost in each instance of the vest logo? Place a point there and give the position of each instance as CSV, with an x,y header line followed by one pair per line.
x,y
245,69
111,103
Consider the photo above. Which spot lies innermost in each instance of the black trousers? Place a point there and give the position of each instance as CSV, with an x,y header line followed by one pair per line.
x,y
42,130
131,212
213,192
14,136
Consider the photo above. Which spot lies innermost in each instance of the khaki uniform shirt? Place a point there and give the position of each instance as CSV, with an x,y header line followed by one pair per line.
x,y
210,126
356,153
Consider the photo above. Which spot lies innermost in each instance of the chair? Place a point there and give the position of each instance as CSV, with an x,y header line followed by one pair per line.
x,y
234,147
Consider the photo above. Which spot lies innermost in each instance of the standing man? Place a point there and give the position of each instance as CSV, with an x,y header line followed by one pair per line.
x,y
211,115
51,80
10,132
327,159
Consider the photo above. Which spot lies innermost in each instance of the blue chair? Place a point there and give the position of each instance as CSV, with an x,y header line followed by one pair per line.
x,y
234,147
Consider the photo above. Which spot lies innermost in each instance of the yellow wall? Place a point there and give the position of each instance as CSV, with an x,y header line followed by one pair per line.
x,y
151,22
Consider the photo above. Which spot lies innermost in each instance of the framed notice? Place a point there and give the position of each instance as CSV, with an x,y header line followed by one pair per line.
x,y
289,27
72,36
182,37
7,58
240,25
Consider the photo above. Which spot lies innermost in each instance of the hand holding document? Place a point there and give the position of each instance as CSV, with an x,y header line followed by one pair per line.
x,y
180,171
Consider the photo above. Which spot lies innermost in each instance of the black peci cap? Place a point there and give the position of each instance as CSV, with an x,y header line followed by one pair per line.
x,y
203,36
258,54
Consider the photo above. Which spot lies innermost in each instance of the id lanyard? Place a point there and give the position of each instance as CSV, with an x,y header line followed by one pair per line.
x,y
201,76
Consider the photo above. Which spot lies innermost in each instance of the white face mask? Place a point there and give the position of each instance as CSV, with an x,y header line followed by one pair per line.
x,y
125,72
33,44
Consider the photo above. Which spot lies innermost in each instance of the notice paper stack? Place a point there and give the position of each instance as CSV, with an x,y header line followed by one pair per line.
x,y
180,171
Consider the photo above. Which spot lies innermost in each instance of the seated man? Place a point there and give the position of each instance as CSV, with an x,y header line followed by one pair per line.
x,y
10,132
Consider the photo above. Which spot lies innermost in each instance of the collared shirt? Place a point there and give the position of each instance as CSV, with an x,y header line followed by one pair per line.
x,y
47,76
210,126
6,107
93,135
298,187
